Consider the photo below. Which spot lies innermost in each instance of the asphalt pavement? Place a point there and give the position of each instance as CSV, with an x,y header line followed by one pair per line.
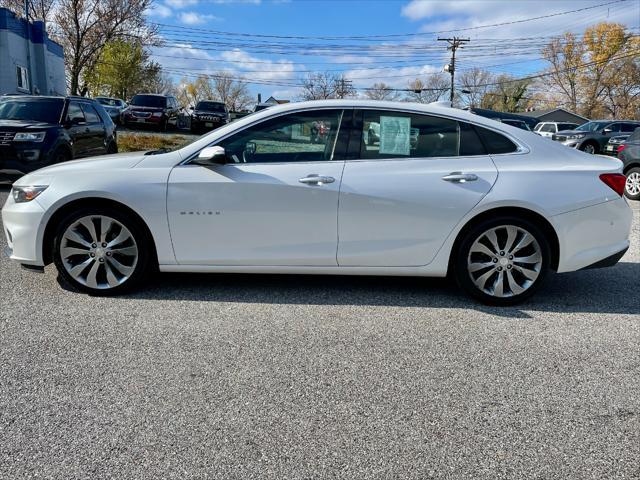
x,y
273,377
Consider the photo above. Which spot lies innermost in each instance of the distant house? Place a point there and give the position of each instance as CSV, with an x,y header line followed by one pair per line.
x,y
555,115
30,62
274,101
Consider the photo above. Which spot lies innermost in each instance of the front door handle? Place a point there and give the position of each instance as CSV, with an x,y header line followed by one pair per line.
x,y
459,177
315,179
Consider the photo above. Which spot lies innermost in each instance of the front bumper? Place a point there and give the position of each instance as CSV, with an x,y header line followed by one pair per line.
x,y
20,160
593,234
23,227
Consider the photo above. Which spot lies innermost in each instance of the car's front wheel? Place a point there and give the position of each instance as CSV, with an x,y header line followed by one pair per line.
x,y
632,186
101,251
502,261
589,147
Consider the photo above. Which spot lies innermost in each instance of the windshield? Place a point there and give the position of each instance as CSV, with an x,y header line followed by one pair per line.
x,y
46,110
210,106
109,102
149,101
592,126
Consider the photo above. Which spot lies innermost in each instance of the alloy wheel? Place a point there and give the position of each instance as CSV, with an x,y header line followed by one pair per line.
x,y
633,184
504,261
589,149
99,252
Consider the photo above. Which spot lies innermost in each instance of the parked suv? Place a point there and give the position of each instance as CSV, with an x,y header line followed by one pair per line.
x,y
114,107
612,146
40,131
547,129
592,137
208,115
149,109
629,153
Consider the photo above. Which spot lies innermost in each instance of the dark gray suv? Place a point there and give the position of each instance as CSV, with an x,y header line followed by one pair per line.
x,y
629,153
592,137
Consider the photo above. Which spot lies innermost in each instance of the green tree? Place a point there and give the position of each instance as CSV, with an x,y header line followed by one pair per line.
x,y
507,95
122,70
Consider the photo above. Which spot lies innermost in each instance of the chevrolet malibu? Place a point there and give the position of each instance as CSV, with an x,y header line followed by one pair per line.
x,y
441,192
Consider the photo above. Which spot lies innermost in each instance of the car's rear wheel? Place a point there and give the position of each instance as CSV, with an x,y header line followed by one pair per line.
x,y
589,147
502,261
632,186
101,251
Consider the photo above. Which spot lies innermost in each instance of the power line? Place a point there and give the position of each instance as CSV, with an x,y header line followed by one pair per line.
x,y
454,44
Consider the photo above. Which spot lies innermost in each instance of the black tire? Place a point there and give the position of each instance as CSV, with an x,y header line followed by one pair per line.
x,y
112,148
586,146
635,174
162,126
461,259
61,155
138,233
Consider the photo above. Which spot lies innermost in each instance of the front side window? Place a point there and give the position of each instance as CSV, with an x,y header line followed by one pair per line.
x,y
74,113
389,134
90,113
548,127
592,126
297,137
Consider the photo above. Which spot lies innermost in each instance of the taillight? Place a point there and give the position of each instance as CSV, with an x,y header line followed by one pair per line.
x,y
615,181
621,147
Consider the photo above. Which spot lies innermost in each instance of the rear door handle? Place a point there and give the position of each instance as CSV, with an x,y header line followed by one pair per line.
x,y
315,179
459,177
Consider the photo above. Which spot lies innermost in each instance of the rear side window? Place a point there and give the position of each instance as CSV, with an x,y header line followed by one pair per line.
x,y
494,142
470,143
635,135
389,134
628,127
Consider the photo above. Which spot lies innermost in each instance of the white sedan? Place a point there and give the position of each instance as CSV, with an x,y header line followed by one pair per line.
x,y
442,192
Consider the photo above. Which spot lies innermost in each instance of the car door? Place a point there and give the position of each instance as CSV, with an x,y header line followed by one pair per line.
x,y
402,195
274,203
78,129
96,134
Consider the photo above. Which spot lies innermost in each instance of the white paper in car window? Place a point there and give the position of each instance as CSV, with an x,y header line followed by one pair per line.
x,y
395,135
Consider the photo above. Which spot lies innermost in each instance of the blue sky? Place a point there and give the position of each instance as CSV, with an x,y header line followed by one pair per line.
x,y
205,36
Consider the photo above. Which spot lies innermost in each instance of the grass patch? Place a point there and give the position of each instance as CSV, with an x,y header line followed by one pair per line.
x,y
131,142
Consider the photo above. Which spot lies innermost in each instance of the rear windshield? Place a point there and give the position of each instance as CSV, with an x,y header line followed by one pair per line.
x,y
149,101
109,102
47,110
210,106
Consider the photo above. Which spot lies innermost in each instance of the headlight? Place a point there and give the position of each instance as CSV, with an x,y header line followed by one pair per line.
x,y
29,136
26,194
156,114
577,136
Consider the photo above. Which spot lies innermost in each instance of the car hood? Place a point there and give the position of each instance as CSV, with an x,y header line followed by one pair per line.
x,y
209,112
94,164
20,125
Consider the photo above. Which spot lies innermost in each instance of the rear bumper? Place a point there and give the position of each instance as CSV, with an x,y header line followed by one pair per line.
x,y
592,235
610,261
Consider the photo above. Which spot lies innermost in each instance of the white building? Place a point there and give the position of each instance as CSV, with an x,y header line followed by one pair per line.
x,y
30,62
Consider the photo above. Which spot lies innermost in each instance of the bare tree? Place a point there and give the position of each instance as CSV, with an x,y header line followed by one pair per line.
x,y
318,86
475,82
382,91
233,92
38,9
85,26
430,90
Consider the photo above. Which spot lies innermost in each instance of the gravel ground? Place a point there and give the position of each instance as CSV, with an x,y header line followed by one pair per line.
x,y
240,377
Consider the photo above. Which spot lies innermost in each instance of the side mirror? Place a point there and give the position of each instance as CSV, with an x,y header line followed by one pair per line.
x,y
210,156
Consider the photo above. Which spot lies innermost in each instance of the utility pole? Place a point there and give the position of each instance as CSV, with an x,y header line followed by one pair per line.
x,y
28,40
454,44
344,86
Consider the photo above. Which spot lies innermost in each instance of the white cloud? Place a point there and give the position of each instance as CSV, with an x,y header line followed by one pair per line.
x,y
181,3
461,14
195,18
259,68
160,10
